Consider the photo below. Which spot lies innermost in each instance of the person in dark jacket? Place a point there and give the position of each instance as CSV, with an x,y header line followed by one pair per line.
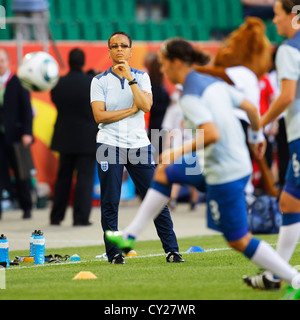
x,y
75,139
15,127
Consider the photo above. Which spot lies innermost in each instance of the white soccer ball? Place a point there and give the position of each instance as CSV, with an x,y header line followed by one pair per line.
x,y
38,71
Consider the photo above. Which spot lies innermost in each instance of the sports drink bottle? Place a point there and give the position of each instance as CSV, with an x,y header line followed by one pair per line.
x,y
4,250
39,248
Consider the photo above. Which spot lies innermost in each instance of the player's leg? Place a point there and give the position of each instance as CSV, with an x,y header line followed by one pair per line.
x,y
158,195
228,211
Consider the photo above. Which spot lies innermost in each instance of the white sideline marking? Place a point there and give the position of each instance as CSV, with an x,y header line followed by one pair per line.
x,y
145,256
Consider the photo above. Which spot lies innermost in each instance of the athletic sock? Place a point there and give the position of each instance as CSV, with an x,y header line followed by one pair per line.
x,y
262,254
156,198
289,235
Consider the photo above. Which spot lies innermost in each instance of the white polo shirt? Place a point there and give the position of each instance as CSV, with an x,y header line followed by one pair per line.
x,y
288,67
116,93
207,99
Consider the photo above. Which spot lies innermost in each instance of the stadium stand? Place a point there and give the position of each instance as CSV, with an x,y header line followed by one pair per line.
x,y
200,20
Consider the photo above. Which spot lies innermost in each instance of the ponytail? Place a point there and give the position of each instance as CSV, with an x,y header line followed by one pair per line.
x,y
177,48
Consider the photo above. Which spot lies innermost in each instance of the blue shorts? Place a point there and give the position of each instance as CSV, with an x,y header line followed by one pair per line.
x,y
292,177
227,209
187,171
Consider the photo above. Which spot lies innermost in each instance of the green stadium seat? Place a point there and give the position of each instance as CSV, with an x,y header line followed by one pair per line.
x,y
176,10
90,31
122,25
80,10
112,11
168,29
191,10
105,29
127,10
57,30
236,13
183,30
206,12
221,15
72,30
64,10
7,33
200,32
96,10
154,31
139,31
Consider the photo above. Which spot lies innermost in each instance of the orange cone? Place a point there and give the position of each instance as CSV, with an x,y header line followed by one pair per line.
x,y
84,275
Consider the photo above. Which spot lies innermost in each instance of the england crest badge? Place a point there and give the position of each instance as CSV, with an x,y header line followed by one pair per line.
x,y
104,165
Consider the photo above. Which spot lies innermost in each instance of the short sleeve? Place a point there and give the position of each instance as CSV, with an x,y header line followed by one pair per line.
x,y
237,97
96,90
288,63
195,109
145,83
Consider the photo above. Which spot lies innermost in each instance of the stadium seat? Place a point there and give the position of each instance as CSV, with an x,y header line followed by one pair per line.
x,y
90,31
72,30
80,10
64,11
154,31
191,10
122,25
176,10
127,10
205,12
183,30
168,29
235,8
138,31
57,30
96,10
112,11
199,30
105,29
7,33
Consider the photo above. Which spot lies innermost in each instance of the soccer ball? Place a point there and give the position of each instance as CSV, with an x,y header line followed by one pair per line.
x,y
38,71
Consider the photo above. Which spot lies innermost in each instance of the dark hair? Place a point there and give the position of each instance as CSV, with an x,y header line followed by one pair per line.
x,y
177,48
288,5
76,59
154,71
122,33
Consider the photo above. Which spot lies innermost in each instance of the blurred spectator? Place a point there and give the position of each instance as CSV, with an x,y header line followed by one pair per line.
x,y
259,8
75,139
32,9
283,152
161,101
267,95
15,127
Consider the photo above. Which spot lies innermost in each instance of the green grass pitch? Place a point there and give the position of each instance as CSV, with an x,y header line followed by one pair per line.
x,y
210,275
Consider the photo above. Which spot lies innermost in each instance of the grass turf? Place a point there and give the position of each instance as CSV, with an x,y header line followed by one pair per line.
x,y
210,275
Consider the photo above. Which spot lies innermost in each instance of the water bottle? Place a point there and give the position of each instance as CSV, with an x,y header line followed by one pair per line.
x,y
39,248
4,249
31,247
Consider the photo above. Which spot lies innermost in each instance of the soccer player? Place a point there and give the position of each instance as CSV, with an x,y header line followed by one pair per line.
x,y
207,104
288,67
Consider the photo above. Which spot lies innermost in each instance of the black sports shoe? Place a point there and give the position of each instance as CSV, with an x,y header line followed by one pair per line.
x,y
118,259
261,281
174,257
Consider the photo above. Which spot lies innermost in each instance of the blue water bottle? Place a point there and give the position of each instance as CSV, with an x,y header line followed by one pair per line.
x,y
4,249
39,247
31,247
